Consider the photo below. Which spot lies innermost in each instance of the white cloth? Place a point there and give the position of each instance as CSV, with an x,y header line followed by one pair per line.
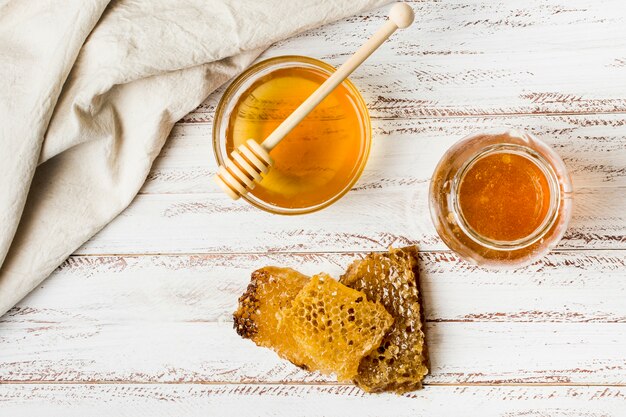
x,y
89,91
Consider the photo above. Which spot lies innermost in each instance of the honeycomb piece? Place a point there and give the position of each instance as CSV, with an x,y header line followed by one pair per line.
x,y
335,326
271,289
401,361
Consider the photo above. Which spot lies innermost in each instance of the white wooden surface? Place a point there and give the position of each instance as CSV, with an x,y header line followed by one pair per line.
x,y
138,320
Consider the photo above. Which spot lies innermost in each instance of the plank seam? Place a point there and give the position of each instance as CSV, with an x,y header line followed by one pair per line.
x,y
302,383
182,254
461,116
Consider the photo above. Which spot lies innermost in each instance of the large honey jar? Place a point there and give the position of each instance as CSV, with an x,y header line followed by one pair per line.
x,y
320,159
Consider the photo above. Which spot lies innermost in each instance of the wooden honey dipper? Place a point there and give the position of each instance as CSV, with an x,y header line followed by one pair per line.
x,y
251,160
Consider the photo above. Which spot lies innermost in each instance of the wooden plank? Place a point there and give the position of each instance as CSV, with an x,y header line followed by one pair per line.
x,y
59,348
478,57
361,221
569,287
167,319
306,400
592,146
162,322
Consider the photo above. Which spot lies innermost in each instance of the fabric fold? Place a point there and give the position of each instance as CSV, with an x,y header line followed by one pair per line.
x,y
90,91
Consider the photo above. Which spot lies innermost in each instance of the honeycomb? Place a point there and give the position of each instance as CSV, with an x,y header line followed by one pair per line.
x,y
335,326
401,361
271,289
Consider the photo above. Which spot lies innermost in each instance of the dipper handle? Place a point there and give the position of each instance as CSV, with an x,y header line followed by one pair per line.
x,y
251,160
400,16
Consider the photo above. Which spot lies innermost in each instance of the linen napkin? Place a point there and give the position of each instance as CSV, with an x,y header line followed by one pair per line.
x,y
89,91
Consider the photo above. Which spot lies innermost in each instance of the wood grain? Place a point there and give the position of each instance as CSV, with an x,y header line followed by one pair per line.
x,y
156,351
568,287
169,318
361,221
305,400
592,146
481,57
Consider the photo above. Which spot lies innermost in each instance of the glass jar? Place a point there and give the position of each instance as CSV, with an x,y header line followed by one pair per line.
x,y
335,143
500,199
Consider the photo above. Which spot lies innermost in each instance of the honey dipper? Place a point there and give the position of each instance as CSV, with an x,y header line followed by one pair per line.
x,y
251,160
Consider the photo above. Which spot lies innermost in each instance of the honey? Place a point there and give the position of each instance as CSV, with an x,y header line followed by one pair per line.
x,y
500,199
504,196
322,156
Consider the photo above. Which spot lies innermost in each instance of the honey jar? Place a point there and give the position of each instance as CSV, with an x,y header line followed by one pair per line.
x,y
501,198
320,159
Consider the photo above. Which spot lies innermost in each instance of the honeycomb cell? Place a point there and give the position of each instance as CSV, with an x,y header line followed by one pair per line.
x,y
270,291
401,361
335,343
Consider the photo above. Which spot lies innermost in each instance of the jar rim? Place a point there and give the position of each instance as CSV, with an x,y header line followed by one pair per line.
x,y
549,218
457,238
238,86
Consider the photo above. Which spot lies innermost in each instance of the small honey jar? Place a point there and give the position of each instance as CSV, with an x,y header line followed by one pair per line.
x,y
501,199
321,158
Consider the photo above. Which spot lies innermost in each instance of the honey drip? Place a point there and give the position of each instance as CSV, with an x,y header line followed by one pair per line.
x,y
317,159
504,197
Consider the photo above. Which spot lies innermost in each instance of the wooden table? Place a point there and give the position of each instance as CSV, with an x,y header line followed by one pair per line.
x,y
138,321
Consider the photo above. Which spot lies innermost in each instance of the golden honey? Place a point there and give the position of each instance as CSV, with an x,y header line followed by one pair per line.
x,y
500,199
504,196
319,159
